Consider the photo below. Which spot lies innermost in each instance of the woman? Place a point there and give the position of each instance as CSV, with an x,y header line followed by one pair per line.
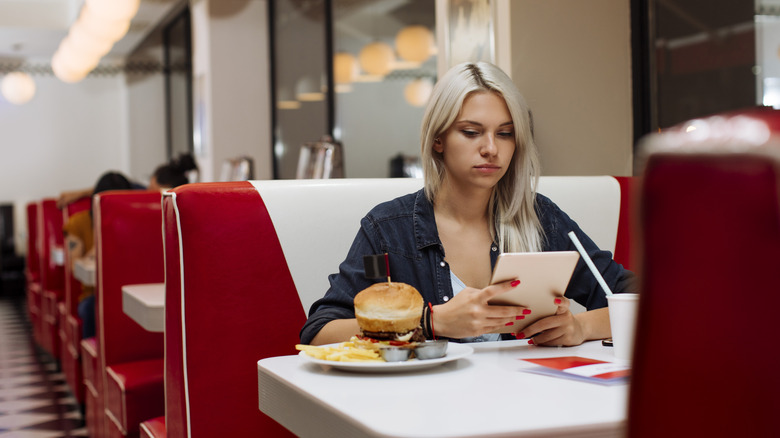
x,y
481,169
174,173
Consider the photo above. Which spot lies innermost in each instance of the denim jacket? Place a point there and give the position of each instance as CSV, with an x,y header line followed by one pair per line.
x,y
405,229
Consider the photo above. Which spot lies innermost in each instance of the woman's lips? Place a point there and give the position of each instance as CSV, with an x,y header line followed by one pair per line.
x,y
487,168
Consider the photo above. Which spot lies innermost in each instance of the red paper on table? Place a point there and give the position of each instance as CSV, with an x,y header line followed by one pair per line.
x,y
582,369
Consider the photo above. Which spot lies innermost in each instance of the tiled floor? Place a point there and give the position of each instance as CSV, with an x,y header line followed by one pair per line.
x,y
34,399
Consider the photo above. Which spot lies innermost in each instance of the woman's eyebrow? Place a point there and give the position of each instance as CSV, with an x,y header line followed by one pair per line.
x,y
472,122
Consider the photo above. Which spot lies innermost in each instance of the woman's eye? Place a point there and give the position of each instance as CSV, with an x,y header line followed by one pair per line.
x,y
506,134
469,133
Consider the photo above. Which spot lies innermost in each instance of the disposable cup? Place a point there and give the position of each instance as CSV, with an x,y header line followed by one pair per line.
x,y
622,318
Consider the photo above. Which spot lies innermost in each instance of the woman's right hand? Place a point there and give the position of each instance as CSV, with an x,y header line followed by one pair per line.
x,y
67,197
469,314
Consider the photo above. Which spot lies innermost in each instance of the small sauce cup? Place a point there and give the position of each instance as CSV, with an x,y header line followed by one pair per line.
x,y
394,354
431,349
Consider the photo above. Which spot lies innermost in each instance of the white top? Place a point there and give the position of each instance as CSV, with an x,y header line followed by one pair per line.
x,y
145,303
480,395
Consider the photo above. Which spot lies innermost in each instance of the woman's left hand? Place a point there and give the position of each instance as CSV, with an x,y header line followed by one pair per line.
x,y
561,329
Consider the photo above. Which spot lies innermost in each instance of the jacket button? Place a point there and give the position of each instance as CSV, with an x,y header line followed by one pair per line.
x,y
442,264
445,299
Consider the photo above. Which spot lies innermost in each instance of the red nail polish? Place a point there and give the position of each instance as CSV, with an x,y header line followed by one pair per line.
x,y
509,323
520,335
526,311
557,301
519,317
531,342
514,283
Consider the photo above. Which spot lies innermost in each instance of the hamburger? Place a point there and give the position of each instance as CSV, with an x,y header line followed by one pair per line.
x,y
390,312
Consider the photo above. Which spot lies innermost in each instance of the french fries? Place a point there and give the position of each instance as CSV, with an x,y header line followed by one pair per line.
x,y
344,352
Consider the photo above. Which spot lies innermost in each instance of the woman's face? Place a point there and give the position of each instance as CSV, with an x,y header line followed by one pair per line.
x,y
477,149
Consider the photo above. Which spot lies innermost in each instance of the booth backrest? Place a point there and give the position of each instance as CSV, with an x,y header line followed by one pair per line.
x,y
72,285
316,220
710,213
33,264
230,301
244,259
50,240
129,250
624,251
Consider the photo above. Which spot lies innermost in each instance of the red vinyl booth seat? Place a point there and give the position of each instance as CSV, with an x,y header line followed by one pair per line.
x,y
129,250
154,428
226,270
704,363
93,388
134,391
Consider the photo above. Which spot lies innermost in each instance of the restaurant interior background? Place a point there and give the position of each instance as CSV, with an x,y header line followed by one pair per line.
x,y
252,78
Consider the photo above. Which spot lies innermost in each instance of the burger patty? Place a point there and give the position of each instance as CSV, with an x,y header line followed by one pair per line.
x,y
417,335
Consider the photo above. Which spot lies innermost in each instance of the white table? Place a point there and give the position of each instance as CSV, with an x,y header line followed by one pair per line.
x,y
484,394
145,303
84,270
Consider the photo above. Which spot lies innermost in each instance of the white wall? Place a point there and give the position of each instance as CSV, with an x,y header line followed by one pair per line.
x,y
572,61
146,122
63,139
231,71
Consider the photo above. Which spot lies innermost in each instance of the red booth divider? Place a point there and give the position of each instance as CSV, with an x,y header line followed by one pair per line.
x,y
69,321
33,270
129,250
230,301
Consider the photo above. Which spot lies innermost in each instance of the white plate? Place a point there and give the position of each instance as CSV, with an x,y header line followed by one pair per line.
x,y
498,345
455,351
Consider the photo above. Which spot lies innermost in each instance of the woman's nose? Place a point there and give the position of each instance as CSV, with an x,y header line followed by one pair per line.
x,y
488,147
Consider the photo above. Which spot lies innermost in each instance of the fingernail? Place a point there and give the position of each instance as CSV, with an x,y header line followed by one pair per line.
x,y
519,317
520,335
514,283
530,342
557,301
509,323
527,311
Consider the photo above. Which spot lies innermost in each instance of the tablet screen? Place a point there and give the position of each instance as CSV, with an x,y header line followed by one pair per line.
x,y
543,276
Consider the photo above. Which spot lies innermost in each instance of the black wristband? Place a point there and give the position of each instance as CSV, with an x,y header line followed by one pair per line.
x,y
427,328
425,322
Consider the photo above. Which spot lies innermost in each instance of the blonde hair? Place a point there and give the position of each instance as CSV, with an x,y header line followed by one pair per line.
x,y
511,211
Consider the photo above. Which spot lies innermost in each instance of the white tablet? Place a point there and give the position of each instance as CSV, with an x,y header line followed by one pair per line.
x,y
543,276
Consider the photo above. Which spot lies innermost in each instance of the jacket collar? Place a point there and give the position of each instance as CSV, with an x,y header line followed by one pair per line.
x,y
425,231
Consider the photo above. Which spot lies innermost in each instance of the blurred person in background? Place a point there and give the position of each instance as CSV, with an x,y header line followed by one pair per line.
x,y
80,243
177,171
174,173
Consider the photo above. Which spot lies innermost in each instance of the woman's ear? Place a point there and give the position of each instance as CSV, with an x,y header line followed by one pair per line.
x,y
437,145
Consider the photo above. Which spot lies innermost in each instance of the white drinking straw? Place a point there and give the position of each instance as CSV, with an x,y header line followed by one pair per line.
x,y
589,262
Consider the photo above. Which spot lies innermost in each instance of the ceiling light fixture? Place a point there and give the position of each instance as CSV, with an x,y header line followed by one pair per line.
x,y
101,23
18,87
377,58
414,43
